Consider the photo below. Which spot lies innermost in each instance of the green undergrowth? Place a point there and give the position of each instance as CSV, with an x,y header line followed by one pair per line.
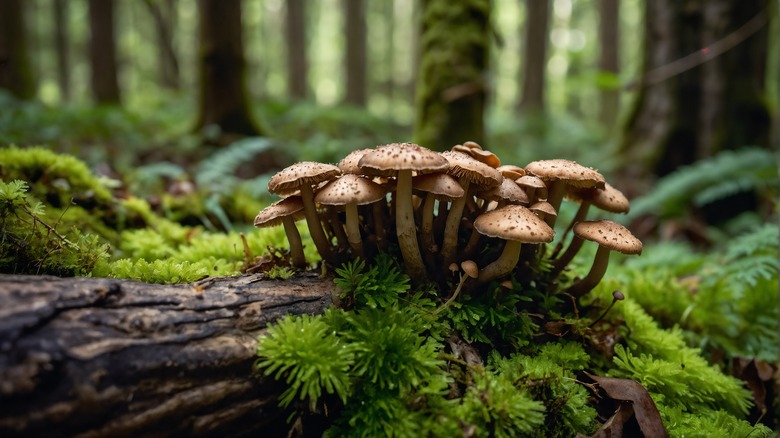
x,y
397,362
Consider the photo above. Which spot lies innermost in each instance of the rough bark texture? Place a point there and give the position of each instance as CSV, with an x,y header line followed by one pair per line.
x,y
224,99
297,61
356,58
104,357
609,98
15,69
451,85
534,55
102,52
713,99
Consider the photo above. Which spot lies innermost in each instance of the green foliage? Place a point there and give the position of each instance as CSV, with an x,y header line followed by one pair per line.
x,y
710,423
166,271
377,286
279,272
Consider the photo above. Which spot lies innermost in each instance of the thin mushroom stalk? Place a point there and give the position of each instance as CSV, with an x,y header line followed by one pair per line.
x,y
406,230
296,244
596,273
503,265
313,222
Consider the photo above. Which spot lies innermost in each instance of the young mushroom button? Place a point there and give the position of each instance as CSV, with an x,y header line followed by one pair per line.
x,y
286,212
560,173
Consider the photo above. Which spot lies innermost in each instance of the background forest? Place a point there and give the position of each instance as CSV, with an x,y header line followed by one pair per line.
x,y
137,139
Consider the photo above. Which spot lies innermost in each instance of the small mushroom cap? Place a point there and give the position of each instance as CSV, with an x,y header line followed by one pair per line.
x,y
350,188
472,145
479,154
289,179
388,159
507,191
470,268
440,185
511,171
349,164
573,173
478,173
514,222
533,182
608,199
543,207
273,214
609,234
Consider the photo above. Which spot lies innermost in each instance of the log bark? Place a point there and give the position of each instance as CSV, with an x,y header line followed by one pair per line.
x,y
104,357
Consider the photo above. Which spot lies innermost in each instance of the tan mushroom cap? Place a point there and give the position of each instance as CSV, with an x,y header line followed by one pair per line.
x,y
441,185
272,215
479,154
543,207
386,160
514,222
608,199
609,234
289,179
349,164
470,268
350,188
476,172
573,173
472,145
511,171
507,191
533,182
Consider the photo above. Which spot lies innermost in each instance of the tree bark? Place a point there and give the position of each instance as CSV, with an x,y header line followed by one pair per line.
x,y
61,43
451,87
164,16
224,98
102,53
535,56
16,74
356,58
609,97
105,357
297,61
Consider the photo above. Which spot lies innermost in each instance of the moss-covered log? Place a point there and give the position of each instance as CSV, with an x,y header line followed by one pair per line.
x,y
104,357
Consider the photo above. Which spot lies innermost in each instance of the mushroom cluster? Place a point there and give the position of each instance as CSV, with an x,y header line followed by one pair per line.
x,y
458,208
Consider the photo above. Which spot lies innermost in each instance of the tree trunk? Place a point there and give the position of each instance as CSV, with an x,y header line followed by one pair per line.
x,y
535,56
164,16
297,62
61,40
451,87
703,86
102,52
224,99
16,74
609,97
356,60
103,357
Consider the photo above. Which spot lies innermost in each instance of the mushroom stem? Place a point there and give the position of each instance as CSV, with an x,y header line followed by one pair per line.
x,y
472,245
582,213
406,229
378,211
353,230
296,245
555,196
313,221
600,263
426,227
336,227
504,264
450,243
561,262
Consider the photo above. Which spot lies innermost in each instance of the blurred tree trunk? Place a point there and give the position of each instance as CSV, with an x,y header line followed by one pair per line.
x,y
703,86
535,37
16,74
356,59
451,87
102,52
297,63
61,39
224,98
164,16
609,97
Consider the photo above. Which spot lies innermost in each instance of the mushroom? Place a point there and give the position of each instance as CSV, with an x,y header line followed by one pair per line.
x,y
402,159
350,191
517,225
472,176
534,187
511,171
438,186
302,176
349,164
559,174
543,209
286,212
611,236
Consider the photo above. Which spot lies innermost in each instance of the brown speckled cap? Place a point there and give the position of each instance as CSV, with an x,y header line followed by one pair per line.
x,y
609,234
464,166
289,179
511,171
441,185
348,189
507,191
273,214
608,199
514,222
349,164
388,159
573,173
543,207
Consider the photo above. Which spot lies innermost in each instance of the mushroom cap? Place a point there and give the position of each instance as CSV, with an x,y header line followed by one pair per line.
x,y
472,144
388,159
289,179
470,268
511,171
476,152
440,185
569,171
543,207
349,164
348,189
476,172
507,191
608,199
514,222
609,234
533,182
273,214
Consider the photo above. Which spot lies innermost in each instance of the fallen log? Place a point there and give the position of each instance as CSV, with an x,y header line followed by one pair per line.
x,y
104,357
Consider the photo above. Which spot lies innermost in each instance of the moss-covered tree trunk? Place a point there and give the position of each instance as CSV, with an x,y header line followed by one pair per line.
x,y
223,95
451,85
689,109
16,74
102,53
